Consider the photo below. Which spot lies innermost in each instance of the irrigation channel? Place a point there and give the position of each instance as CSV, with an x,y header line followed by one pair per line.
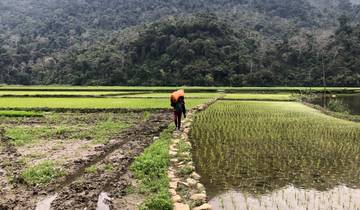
x,y
276,155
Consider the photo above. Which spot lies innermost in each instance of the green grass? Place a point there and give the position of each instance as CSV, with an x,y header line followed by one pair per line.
x,y
61,93
41,173
21,136
91,169
102,131
254,96
10,113
258,147
96,128
91,103
151,169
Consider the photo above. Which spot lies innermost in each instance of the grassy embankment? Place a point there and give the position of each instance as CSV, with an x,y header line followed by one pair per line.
x,y
150,168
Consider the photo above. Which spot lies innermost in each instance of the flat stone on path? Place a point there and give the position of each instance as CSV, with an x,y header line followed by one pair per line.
x,y
196,176
181,206
205,206
172,192
198,197
176,198
173,185
200,187
191,182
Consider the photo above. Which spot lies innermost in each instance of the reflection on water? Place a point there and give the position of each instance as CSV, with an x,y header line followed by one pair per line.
x,y
290,198
45,204
352,101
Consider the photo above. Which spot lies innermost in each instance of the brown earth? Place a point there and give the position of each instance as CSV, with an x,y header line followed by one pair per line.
x,y
80,188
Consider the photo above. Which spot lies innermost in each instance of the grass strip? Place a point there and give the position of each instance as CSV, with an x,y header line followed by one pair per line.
x,y
151,169
12,113
41,173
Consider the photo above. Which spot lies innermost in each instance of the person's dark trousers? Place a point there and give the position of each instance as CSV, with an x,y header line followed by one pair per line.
x,y
177,119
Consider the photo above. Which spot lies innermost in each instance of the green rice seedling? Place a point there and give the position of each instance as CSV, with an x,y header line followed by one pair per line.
x,y
258,147
90,103
61,93
167,95
257,96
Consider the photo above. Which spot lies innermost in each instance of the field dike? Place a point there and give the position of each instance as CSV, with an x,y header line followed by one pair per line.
x,y
100,176
185,188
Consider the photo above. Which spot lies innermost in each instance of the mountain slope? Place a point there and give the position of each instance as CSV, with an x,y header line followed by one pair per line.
x,y
32,32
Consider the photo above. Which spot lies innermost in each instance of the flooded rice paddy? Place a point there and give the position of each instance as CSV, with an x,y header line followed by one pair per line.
x,y
276,155
290,198
352,101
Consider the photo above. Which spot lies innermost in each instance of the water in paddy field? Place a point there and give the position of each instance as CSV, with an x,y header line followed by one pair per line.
x,y
276,156
290,198
352,101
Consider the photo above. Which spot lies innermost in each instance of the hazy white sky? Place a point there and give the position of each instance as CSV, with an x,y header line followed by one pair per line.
x,y
355,1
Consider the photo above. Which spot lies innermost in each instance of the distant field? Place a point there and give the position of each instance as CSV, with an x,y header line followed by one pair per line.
x,y
61,93
90,103
167,95
168,88
275,97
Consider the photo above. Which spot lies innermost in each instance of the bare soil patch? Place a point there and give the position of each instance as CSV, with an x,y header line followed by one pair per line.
x,y
90,169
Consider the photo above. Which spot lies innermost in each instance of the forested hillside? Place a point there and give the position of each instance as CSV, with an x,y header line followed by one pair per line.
x,y
136,42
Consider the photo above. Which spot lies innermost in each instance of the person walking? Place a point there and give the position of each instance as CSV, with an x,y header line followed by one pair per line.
x,y
179,110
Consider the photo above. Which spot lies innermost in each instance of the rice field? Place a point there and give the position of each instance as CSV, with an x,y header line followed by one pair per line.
x,y
256,96
89,103
257,148
62,93
167,95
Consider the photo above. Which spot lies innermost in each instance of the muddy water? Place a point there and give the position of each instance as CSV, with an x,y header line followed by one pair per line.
x,y
45,204
102,203
352,101
290,198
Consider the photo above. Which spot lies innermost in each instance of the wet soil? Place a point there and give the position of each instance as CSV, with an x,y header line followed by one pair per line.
x,y
81,188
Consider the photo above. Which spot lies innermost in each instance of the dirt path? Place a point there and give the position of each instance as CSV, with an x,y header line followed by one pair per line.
x,y
82,187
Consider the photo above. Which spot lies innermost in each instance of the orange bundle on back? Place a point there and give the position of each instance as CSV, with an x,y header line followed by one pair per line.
x,y
176,95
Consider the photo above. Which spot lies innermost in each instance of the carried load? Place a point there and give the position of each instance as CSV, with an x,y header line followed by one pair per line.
x,y
176,95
